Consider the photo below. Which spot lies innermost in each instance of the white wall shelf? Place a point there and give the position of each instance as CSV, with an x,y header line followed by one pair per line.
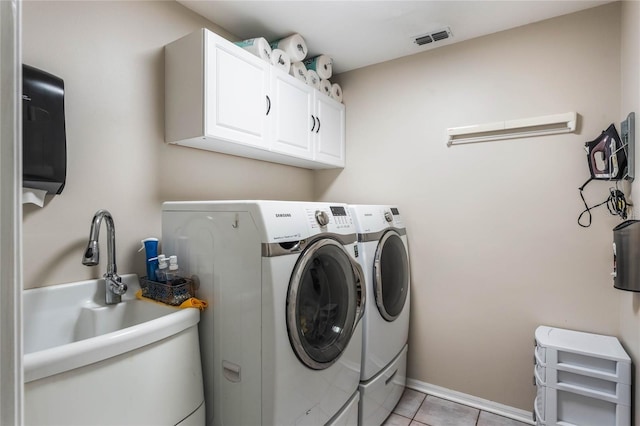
x,y
510,129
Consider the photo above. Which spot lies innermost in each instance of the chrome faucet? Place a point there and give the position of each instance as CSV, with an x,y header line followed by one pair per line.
x,y
114,286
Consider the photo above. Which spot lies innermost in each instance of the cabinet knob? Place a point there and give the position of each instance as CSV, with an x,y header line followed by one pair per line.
x,y
314,123
268,104
318,129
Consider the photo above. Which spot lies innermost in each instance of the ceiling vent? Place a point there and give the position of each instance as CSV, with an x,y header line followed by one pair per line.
x,y
438,35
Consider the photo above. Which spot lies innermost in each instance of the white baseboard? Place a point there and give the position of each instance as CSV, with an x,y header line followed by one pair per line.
x,y
471,401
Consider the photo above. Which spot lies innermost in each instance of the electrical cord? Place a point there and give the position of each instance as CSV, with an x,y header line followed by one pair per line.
x,y
616,204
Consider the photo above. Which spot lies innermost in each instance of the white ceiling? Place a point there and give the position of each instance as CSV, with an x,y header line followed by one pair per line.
x,y
358,33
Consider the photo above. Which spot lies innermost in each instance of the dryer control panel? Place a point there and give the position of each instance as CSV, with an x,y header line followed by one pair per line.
x,y
376,218
396,219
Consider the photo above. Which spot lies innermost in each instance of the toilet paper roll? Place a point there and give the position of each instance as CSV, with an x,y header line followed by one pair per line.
x,y
336,92
258,46
294,46
33,196
313,79
281,60
321,64
298,71
325,87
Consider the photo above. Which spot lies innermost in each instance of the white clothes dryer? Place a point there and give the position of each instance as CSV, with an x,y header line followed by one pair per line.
x,y
384,256
281,340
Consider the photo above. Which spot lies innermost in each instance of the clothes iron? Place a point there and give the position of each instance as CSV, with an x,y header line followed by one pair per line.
x,y
606,156
607,159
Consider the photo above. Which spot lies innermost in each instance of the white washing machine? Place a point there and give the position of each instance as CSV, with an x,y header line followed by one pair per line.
x,y
384,256
281,340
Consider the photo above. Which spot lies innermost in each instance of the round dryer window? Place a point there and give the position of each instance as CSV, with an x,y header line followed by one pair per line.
x,y
391,272
322,303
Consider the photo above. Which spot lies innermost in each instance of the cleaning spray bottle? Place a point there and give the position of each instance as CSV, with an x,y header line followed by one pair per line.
x,y
150,245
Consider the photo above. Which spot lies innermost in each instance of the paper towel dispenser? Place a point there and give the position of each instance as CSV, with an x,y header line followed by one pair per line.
x,y
44,142
626,255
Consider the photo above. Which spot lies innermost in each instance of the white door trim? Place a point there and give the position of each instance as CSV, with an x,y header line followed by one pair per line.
x,y
11,375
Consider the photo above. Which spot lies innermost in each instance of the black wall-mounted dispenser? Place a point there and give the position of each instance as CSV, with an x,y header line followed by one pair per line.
x,y
626,255
44,142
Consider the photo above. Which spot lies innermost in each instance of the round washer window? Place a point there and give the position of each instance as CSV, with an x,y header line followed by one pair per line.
x,y
391,272
322,304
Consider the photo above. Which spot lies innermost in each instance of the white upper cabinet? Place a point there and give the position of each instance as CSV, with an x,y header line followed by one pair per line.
x,y
292,109
236,103
222,98
330,130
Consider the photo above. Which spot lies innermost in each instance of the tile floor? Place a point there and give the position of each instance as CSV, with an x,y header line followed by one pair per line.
x,y
417,409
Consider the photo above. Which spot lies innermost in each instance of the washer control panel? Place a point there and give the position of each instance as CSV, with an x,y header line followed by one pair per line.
x,y
340,216
330,218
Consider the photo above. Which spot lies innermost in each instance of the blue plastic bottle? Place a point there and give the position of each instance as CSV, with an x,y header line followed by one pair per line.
x,y
151,250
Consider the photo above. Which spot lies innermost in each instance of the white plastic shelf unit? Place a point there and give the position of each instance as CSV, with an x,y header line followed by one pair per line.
x,y
582,379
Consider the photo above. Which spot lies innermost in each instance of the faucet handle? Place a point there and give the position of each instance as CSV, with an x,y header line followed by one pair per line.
x,y
116,286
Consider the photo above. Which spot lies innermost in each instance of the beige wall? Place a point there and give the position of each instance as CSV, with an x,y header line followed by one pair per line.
x,y
110,55
630,302
494,243
495,247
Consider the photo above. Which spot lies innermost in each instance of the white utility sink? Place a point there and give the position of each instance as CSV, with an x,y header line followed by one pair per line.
x,y
80,354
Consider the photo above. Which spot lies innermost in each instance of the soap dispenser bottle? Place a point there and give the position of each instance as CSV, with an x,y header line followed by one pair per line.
x,y
174,275
163,269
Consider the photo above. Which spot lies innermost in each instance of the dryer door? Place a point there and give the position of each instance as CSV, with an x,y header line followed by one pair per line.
x,y
391,275
324,303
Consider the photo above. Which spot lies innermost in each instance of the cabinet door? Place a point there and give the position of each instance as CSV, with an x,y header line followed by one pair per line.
x,y
236,85
291,117
330,137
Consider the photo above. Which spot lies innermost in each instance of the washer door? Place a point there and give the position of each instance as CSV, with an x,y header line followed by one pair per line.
x,y
391,275
325,301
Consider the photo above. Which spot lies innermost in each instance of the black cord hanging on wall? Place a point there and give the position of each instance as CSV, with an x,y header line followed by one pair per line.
x,y
616,204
